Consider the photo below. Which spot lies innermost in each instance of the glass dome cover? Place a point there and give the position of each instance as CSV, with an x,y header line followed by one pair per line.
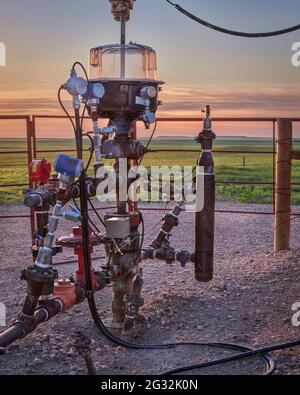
x,y
127,62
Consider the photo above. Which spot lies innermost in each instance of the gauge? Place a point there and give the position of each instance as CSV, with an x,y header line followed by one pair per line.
x,y
98,90
149,92
76,86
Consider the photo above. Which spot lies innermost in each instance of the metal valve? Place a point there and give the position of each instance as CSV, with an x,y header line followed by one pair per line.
x,y
121,9
73,214
148,118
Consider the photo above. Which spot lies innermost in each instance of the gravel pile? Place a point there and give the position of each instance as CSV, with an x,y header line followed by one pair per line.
x,y
249,302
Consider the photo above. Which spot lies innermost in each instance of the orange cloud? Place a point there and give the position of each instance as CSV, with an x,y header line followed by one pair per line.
x,y
178,101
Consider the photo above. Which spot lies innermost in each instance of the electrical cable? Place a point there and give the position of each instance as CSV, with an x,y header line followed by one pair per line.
x,y
244,351
96,212
270,364
149,143
69,116
84,199
246,354
141,241
233,32
96,230
64,108
152,135
83,69
92,148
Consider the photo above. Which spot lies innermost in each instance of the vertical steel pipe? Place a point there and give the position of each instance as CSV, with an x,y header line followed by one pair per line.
x,y
29,160
205,219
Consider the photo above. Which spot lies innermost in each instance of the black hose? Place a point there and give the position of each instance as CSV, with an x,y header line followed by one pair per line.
x,y
247,354
149,143
270,364
83,69
96,212
92,226
233,32
244,351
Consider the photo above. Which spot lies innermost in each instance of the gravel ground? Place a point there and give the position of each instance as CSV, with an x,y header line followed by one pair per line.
x,y
248,303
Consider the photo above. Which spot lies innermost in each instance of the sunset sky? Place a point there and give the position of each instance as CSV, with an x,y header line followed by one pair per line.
x,y
238,77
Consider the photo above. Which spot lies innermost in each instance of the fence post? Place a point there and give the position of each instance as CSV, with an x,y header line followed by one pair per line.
x,y
29,160
283,185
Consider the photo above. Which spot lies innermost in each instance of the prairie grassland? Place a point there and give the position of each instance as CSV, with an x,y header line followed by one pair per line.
x,y
229,167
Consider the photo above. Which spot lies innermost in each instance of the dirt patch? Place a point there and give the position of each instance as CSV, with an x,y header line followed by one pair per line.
x,y
249,302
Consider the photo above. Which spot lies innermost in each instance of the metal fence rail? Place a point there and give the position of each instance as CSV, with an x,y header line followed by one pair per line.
x,y
32,153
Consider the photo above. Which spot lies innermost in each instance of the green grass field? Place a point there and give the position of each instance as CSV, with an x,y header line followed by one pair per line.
x,y
229,167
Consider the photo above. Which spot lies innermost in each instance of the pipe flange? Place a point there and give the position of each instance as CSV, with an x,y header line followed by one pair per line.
x,y
39,275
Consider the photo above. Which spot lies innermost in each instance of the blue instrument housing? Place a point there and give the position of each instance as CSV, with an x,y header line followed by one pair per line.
x,y
69,166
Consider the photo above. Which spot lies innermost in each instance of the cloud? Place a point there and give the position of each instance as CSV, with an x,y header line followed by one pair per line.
x,y
265,101
29,106
179,101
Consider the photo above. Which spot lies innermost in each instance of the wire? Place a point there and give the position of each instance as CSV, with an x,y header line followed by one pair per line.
x,y
92,225
152,227
270,364
64,108
88,85
91,300
73,124
86,227
96,212
152,135
83,69
149,143
92,148
246,354
233,32
86,221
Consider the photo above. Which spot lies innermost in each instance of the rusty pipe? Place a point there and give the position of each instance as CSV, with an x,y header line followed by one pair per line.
x,y
167,254
170,222
66,295
26,324
205,219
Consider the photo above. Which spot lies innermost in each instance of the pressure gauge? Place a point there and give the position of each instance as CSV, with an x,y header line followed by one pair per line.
x,y
76,86
98,90
149,92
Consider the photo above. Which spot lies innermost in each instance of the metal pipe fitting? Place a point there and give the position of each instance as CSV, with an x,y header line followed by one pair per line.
x,y
24,326
169,255
170,222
